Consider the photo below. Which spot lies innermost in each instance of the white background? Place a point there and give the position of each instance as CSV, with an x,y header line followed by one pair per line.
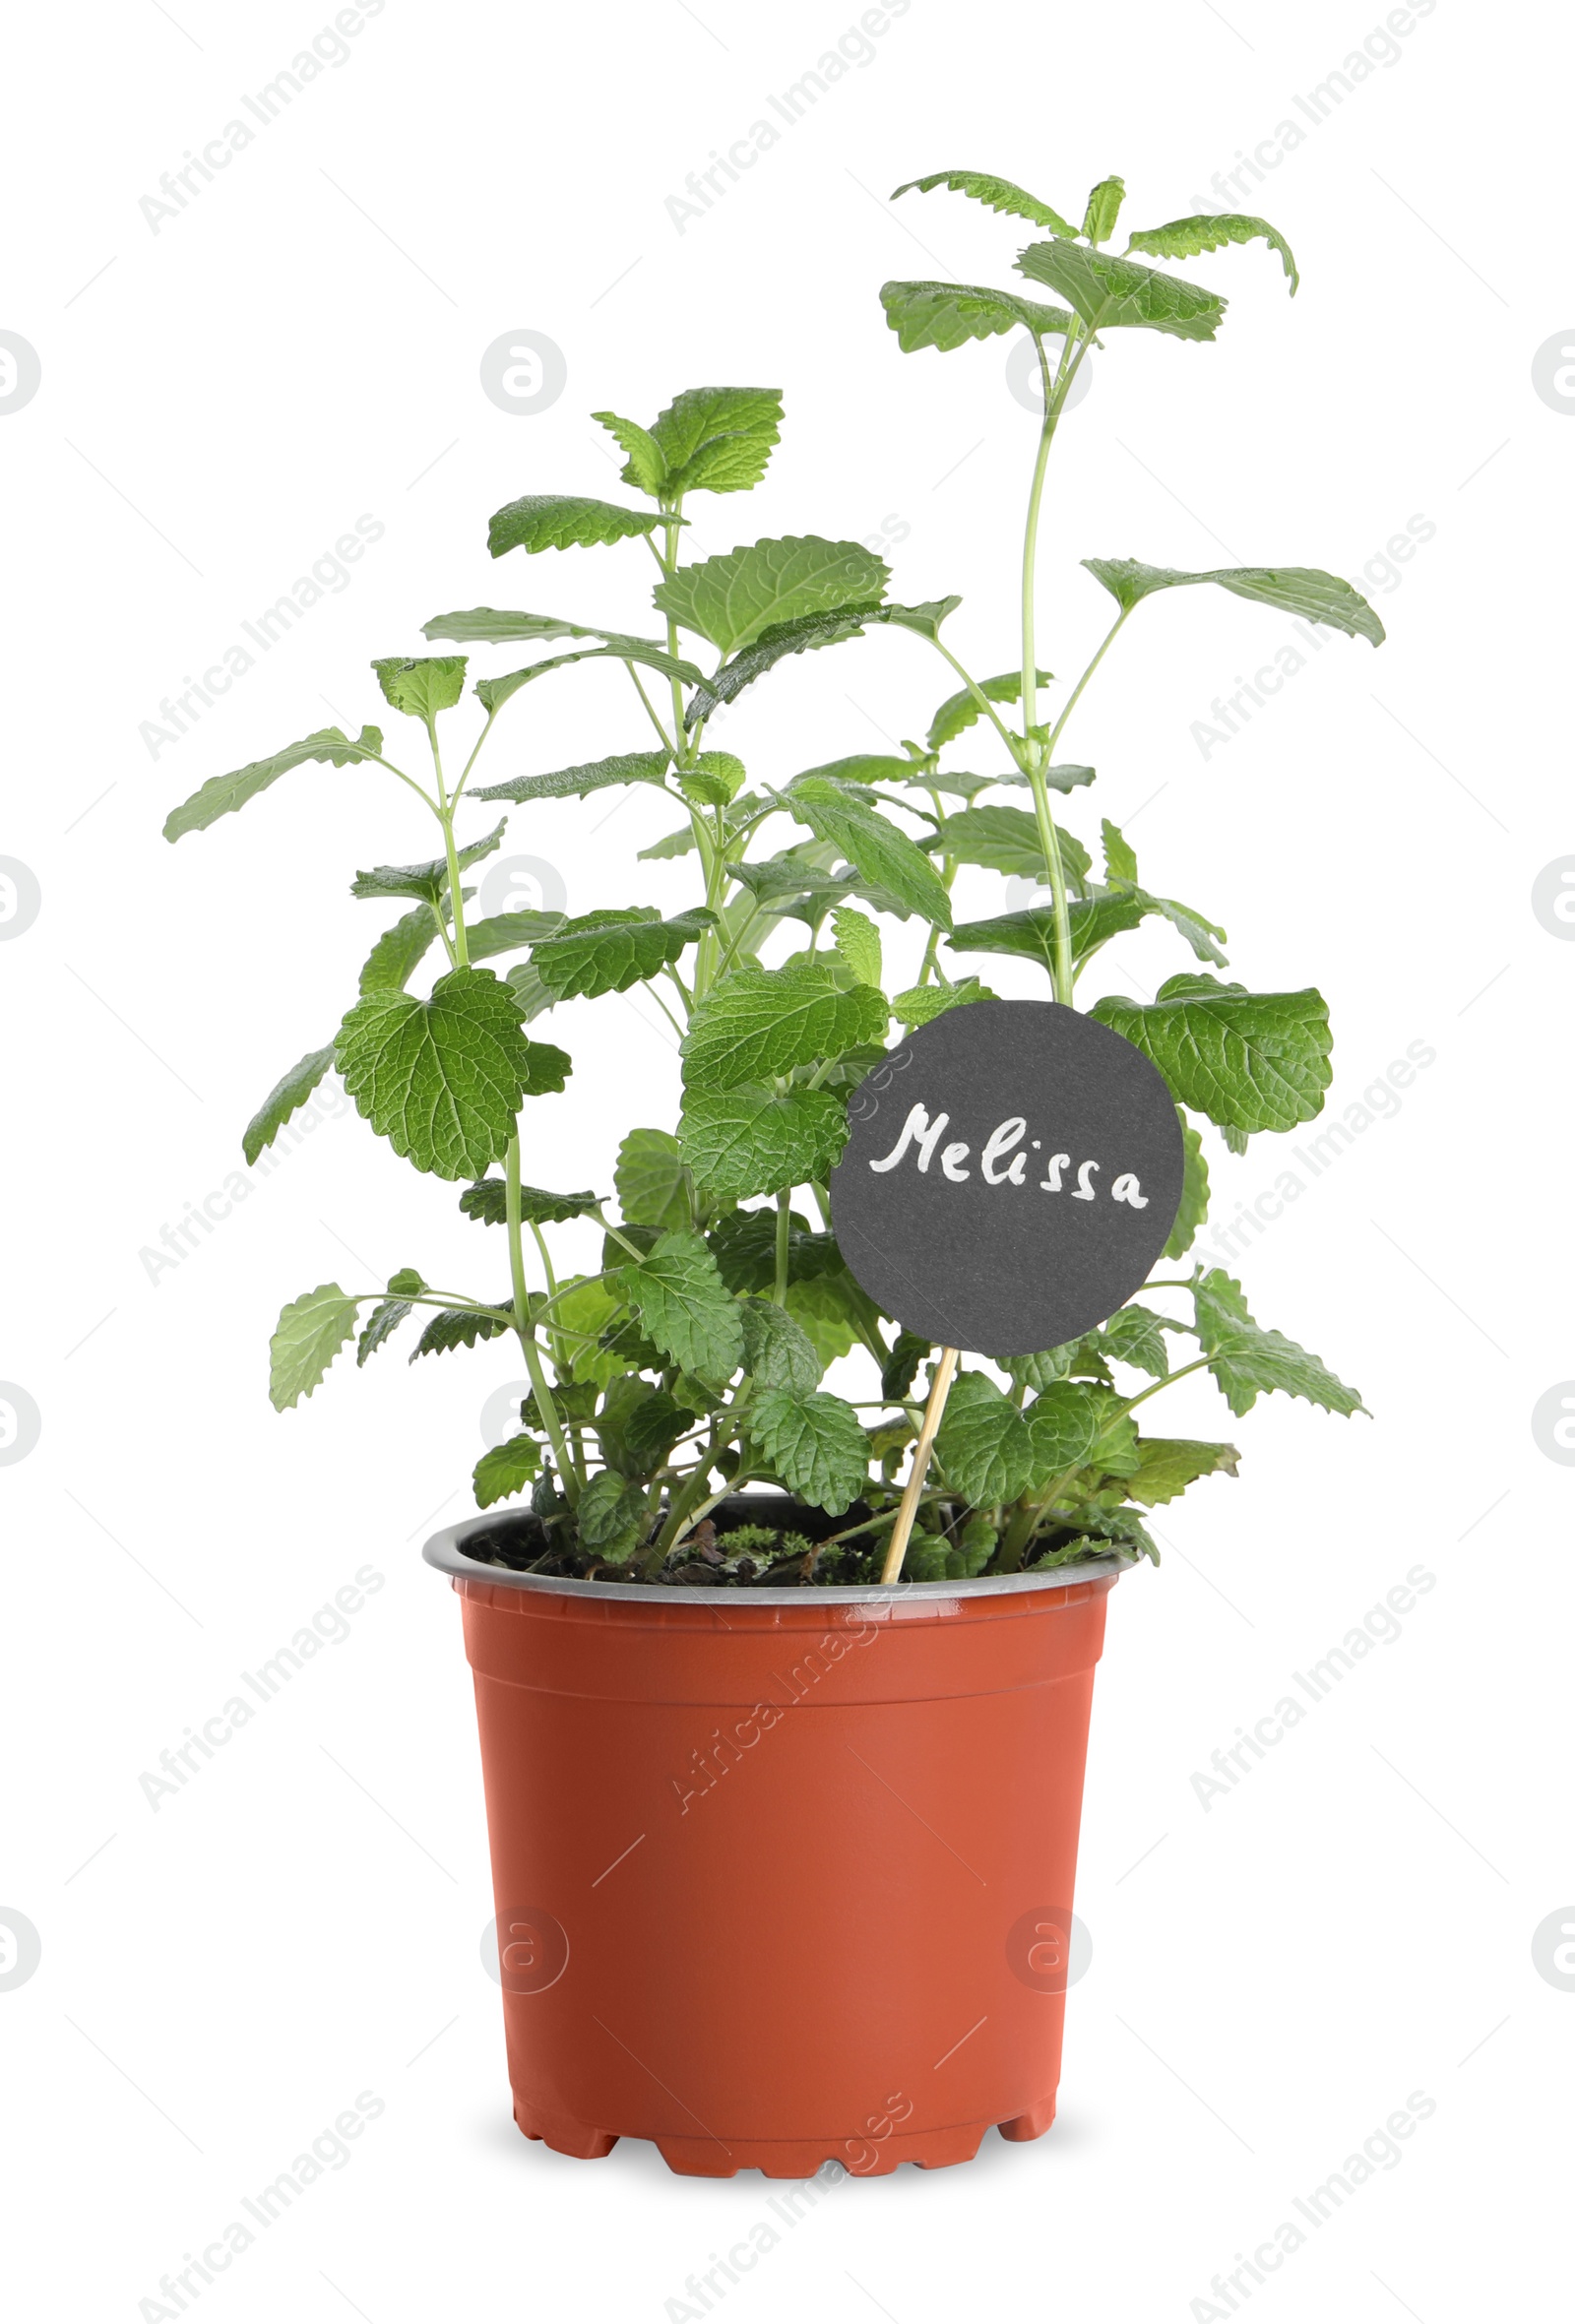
x,y
299,345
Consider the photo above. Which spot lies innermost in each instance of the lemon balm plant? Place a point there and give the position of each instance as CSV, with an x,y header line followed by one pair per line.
x,y
688,1362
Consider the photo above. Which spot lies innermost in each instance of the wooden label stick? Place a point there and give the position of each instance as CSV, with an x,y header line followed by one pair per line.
x,y
940,1387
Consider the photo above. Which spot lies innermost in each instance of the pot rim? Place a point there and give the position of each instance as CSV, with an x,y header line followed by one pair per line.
x,y
446,1552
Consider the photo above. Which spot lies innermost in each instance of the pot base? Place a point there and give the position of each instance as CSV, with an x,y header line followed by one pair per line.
x,y
800,2158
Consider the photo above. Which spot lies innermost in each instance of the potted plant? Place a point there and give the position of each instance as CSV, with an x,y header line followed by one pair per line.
x,y
721,1754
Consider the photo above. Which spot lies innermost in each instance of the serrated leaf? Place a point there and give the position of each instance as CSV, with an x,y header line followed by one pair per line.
x,y
823,1305
485,625
714,781
759,1022
901,1367
655,1189
421,686
650,1429
458,1327
716,439
1006,839
921,1004
406,1283
1249,1061
744,1245
611,1517
443,1078
959,711
732,598
686,1309
493,693
1103,208
1300,589
564,520
1120,860
227,794
506,1469
290,1090
577,783
1194,1193
590,1307
530,991
1189,238
778,1352
1136,1335
947,315
1167,1465
996,193
506,931
309,1334
885,857
400,951
488,1200
1042,1370
608,951
1061,1423
864,766
644,467
1112,293
984,1444
814,1444
746,1141
1113,1452
1247,1360
428,883
384,1320
806,635
858,939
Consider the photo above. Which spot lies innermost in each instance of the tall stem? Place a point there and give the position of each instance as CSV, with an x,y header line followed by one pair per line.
x,y
445,816
783,1230
526,1328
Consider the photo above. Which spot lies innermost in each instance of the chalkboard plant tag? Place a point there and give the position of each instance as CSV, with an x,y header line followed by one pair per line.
x,y
883,1297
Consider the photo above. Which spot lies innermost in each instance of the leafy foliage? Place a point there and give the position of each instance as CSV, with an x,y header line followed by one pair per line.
x,y
814,1444
996,193
288,1093
759,1022
748,1139
1290,588
309,1334
1111,294
731,599
1249,1061
608,951
1188,237
1247,1362
227,794
563,520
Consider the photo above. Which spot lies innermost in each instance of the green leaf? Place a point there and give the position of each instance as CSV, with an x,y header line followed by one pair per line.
x,y
1061,1422
1189,238
1044,1369
577,783
1167,1465
1120,860
947,315
608,951
458,1327
886,856
650,1429
809,632
1006,839
564,520
996,193
611,1517
655,1189
1103,208
644,467
865,766
959,711
1111,294
1136,1335
984,1444
506,1469
716,439
684,1305
714,781
428,883
488,1200
901,1367
290,1090
778,1352
744,1245
420,688
443,1078
406,1284
309,1334
530,991
400,951
1300,589
759,1022
825,1307
1094,920
746,1141
1194,1193
227,794
921,1004
1247,1362
1250,1061
732,598
858,939
384,1320
1113,1452
814,1444
585,1305
506,932
484,625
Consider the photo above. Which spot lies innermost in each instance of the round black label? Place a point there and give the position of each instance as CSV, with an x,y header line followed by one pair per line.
x,y
1011,1174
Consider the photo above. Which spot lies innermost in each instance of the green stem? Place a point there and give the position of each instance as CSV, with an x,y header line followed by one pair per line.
x,y
526,1330
783,1228
1073,698
1050,842
644,696
686,1500
445,816
1170,1378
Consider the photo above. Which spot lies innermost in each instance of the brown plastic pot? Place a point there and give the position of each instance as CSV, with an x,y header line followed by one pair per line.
x,y
782,1875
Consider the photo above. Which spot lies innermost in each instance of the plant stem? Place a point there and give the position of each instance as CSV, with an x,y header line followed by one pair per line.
x,y
784,1227
1169,1380
686,1500
526,1330
445,816
1050,842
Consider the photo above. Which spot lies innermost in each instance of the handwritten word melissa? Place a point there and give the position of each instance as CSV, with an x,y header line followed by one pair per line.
x,y
1006,1139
